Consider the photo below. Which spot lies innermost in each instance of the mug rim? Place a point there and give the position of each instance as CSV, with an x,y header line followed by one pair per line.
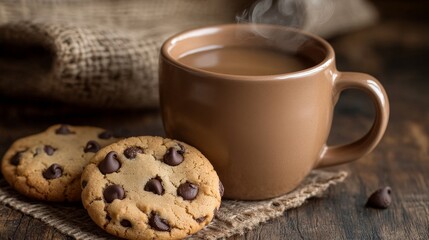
x,y
170,42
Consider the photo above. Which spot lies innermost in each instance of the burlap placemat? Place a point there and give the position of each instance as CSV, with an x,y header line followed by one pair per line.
x,y
234,217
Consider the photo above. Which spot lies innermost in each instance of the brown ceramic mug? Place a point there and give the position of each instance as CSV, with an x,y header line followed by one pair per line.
x,y
263,134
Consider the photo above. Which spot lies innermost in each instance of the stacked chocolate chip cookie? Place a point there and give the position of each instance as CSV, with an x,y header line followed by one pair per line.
x,y
136,188
47,166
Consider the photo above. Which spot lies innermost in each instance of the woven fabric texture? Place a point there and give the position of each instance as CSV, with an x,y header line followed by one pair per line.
x,y
94,53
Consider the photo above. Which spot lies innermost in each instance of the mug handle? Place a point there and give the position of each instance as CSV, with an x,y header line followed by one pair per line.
x,y
333,155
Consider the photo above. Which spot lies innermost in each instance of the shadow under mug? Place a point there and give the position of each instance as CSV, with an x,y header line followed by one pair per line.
x,y
263,134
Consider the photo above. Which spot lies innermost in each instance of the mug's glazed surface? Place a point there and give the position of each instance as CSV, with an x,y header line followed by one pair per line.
x,y
263,134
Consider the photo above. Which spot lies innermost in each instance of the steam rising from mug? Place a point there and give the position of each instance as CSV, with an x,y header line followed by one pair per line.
x,y
302,14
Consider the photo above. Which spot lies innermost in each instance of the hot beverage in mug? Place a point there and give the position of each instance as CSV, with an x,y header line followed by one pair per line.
x,y
260,109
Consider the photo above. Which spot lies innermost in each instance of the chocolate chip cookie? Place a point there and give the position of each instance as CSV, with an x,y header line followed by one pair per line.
x,y
150,188
48,165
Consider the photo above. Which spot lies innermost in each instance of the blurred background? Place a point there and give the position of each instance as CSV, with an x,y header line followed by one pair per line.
x,y
95,62
74,61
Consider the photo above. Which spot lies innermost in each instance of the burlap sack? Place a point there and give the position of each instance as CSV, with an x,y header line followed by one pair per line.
x,y
104,53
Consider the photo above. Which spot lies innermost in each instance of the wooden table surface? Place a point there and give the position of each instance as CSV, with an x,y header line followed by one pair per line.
x,y
397,53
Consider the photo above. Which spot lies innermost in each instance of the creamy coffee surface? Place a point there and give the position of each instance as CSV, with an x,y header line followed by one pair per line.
x,y
246,61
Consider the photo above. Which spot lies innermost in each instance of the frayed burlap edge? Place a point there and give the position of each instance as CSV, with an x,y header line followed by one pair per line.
x,y
234,217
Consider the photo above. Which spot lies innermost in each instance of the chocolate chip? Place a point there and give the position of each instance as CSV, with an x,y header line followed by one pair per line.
x,y
221,189
380,198
105,135
173,157
108,217
15,159
91,146
182,149
125,223
132,152
49,150
63,130
158,223
84,183
110,163
154,185
200,219
113,192
52,172
187,191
